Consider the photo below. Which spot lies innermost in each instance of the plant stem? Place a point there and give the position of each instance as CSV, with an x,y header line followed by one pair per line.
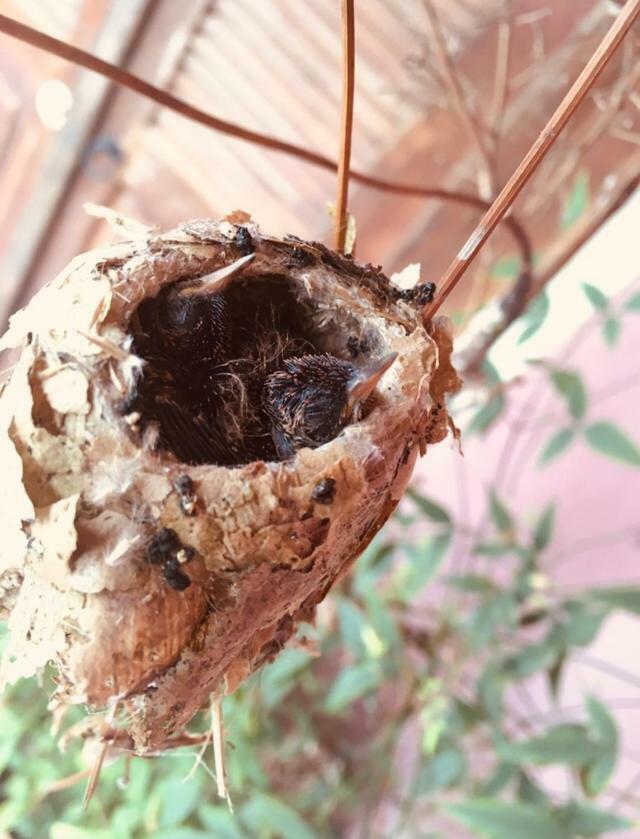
x,y
346,127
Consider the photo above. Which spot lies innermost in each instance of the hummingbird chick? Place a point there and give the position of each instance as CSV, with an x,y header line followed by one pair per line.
x,y
312,399
184,335
192,317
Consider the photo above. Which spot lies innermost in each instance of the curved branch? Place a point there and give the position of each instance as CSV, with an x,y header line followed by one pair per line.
x,y
54,46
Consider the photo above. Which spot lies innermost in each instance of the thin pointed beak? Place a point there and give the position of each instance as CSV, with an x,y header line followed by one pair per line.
x,y
362,386
219,280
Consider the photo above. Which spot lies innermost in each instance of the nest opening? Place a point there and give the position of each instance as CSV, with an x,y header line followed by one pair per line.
x,y
201,384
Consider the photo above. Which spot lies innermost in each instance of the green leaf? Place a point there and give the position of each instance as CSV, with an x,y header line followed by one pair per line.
x,y
491,690
609,440
430,508
381,619
372,565
633,303
507,820
263,812
566,744
570,387
472,583
617,597
530,792
534,316
577,200
582,819
491,372
463,717
493,549
603,728
351,684
556,444
506,268
611,331
532,658
597,774
544,528
178,802
499,513
219,821
583,623
484,418
280,677
597,298
555,674
602,723
495,612
352,624
377,554
441,771
497,781
425,561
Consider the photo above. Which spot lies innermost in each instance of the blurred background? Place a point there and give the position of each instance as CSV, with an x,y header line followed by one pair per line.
x,y
478,673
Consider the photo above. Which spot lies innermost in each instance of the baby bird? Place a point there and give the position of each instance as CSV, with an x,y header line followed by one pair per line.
x,y
311,400
192,317
184,336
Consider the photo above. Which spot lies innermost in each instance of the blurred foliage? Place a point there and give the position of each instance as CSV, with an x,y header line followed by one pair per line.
x,y
312,740
577,200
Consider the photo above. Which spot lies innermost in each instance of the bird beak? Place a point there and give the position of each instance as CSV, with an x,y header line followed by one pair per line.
x,y
364,383
219,280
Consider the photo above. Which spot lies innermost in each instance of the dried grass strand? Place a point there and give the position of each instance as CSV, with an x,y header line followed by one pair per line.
x,y
218,750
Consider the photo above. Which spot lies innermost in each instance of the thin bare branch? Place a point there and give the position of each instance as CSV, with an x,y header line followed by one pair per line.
x,y
501,81
37,39
458,99
347,18
125,79
537,152
627,136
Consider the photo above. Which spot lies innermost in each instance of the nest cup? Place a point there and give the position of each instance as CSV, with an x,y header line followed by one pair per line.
x,y
88,487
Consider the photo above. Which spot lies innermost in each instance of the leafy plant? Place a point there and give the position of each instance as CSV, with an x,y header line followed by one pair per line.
x,y
413,648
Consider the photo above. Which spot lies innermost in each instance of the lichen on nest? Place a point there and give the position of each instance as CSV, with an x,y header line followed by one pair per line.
x,y
154,580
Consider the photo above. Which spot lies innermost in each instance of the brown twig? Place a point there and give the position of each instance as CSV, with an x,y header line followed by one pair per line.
x,y
536,153
37,39
347,18
125,79
458,99
501,81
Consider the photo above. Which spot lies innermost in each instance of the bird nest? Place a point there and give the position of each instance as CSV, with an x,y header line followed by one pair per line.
x,y
154,562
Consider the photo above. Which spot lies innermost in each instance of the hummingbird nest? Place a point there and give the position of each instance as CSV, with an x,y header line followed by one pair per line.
x,y
154,562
